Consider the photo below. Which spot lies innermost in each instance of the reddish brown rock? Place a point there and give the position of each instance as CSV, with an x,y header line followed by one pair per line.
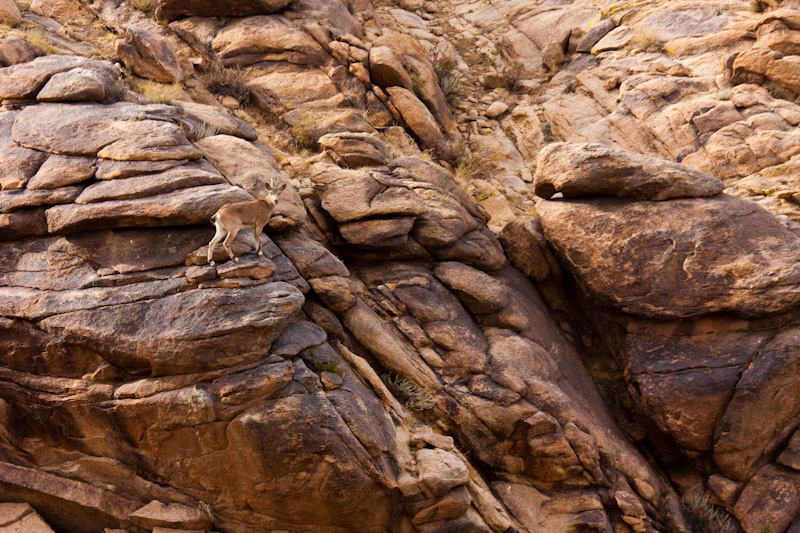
x,y
174,9
62,170
642,258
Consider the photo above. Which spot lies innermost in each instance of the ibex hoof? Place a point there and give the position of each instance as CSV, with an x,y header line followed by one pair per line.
x,y
212,263
260,253
235,259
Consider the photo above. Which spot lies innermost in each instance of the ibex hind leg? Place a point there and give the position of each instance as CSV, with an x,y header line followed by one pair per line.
x,y
227,243
218,236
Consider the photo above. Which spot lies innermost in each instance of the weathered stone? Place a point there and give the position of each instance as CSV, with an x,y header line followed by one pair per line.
x,y
602,170
9,13
386,70
156,342
175,9
478,291
184,206
496,109
26,79
771,497
751,66
108,169
614,40
81,84
19,164
17,199
335,291
14,50
359,195
177,515
387,233
261,382
454,504
595,33
121,131
251,267
642,258
526,246
267,38
221,120
417,116
182,177
62,170
356,149
441,471
23,224
149,55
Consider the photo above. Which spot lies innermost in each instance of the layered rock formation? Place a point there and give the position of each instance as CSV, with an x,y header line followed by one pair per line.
x,y
424,346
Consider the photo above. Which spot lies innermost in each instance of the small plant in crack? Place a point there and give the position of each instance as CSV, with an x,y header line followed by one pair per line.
x,y
413,396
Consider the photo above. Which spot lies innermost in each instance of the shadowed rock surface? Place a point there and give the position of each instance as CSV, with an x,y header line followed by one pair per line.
x,y
425,345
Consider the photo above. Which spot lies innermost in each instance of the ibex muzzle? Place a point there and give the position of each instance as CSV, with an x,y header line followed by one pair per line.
x,y
231,218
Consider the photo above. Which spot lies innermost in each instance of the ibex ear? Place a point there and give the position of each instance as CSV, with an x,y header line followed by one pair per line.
x,y
280,188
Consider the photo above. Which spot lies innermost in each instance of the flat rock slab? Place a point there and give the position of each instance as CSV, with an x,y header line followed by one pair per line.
x,y
250,267
14,50
60,170
148,185
192,331
182,207
122,131
82,85
26,79
678,258
221,119
592,169
17,199
108,169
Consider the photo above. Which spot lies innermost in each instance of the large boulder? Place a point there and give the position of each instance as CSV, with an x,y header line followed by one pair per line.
x,y
644,258
591,169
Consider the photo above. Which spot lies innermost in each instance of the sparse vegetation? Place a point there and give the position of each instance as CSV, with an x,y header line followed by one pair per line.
x,y
702,516
757,7
41,42
724,94
159,93
334,367
144,5
227,81
195,133
449,78
646,41
412,396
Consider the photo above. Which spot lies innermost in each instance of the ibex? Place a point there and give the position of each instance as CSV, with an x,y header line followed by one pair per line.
x,y
250,214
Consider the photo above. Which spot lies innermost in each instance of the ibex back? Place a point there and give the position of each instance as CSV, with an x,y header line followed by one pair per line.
x,y
231,218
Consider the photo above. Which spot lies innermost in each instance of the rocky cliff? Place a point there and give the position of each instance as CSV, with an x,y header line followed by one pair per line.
x,y
536,267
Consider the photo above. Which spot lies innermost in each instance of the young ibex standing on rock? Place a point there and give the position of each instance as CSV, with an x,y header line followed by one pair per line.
x,y
251,214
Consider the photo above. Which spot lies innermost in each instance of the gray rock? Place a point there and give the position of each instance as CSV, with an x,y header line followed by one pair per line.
x,y
26,79
356,149
182,177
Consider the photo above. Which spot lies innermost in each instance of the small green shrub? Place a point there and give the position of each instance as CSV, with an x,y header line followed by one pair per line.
x,y
195,133
41,42
227,81
724,94
702,516
333,367
449,78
